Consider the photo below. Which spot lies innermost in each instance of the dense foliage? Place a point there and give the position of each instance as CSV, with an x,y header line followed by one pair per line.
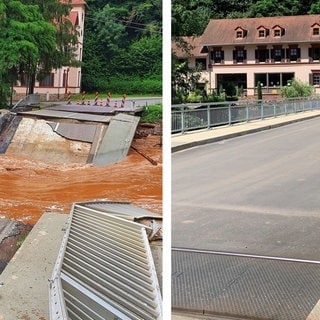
x,y
123,47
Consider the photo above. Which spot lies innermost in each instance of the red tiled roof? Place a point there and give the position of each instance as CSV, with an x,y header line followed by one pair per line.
x,y
296,29
74,2
73,17
195,47
78,2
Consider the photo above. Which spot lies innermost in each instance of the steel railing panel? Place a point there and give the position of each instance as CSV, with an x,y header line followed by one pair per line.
x,y
112,242
106,254
107,275
119,231
194,116
82,302
107,286
105,269
123,209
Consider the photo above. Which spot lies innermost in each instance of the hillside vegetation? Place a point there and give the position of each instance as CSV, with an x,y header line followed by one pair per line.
x,y
123,47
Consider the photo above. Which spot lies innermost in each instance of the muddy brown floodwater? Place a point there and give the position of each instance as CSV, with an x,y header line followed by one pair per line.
x,y
29,187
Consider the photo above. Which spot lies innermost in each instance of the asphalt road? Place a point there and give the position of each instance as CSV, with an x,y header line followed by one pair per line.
x,y
255,194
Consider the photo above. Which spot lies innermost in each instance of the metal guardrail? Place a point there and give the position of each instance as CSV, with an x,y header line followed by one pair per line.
x,y
29,100
105,268
194,116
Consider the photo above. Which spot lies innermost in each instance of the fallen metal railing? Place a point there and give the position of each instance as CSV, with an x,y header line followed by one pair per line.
x,y
105,268
29,100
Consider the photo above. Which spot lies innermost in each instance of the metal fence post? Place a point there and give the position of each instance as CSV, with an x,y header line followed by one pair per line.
x,y
208,117
182,120
229,116
247,113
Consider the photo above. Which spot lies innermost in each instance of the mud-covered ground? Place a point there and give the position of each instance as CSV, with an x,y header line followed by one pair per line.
x,y
30,187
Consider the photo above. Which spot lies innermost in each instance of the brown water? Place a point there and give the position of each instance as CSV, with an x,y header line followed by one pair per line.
x,y
28,187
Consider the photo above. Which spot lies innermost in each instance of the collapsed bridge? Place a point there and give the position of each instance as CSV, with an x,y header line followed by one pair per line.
x,y
68,134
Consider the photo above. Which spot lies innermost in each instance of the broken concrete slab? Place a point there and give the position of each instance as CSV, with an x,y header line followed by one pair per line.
x,y
75,131
8,228
117,140
46,113
8,126
34,137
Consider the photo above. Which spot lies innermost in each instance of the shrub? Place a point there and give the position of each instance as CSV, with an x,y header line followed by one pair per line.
x,y
131,86
193,98
152,113
297,89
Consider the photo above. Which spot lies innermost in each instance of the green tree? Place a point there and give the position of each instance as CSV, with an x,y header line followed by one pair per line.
x,y
184,80
24,37
117,35
227,9
94,69
147,61
66,38
315,8
109,29
269,8
190,18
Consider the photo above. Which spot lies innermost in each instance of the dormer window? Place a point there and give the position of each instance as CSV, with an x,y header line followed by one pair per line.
x,y
278,31
262,32
240,33
315,29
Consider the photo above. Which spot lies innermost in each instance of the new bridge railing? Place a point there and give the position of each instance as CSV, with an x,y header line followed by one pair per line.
x,y
206,115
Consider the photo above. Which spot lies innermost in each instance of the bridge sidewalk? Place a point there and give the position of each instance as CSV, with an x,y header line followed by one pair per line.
x,y
192,139
196,138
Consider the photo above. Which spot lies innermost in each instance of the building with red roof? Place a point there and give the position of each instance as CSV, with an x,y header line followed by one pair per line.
x,y
269,50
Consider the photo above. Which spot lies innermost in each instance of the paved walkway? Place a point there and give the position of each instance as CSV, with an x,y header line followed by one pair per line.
x,y
191,139
24,284
201,137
